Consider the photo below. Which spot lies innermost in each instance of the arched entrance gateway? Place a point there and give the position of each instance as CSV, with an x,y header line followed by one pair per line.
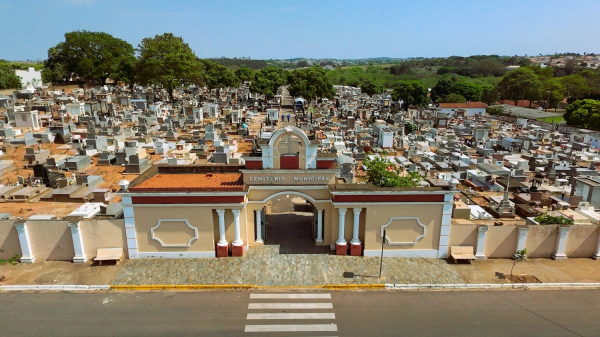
x,y
286,193
292,221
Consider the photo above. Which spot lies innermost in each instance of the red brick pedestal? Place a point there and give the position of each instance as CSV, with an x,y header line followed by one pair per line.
x,y
356,250
222,251
237,250
341,249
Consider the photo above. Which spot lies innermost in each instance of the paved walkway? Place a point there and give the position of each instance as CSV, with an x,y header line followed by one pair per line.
x,y
263,265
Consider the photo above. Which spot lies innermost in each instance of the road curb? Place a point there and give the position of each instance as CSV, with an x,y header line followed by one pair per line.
x,y
55,287
490,286
325,286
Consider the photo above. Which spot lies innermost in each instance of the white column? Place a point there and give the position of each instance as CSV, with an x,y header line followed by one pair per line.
x,y
26,249
446,226
259,226
222,241
481,234
561,243
320,225
236,222
355,241
596,255
522,238
80,256
130,233
342,217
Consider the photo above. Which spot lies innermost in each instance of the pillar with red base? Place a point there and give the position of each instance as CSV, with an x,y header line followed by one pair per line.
x,y
341,246
222,251
237,251
341,249
222,245
355,244
356,250
237,246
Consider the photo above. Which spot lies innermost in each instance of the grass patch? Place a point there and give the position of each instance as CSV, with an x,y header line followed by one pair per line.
x,y
549,119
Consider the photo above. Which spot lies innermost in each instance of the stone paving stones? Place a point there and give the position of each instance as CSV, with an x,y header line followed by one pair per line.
x,y
264,266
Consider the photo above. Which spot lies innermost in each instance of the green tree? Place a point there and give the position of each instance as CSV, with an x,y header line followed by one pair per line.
x,y
302,64
445,70
553,92
543,74
217,76
411,93
166,61
268,80
454,98
489,94
470,91
244,74
310,84
521,83
575,85
441,90
126,73
8,78
593,80
583,113
401,69
409,127
382,173
520,256
371,87
92,56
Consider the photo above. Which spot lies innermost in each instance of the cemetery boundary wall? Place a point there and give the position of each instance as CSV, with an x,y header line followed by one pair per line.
x,y
52,240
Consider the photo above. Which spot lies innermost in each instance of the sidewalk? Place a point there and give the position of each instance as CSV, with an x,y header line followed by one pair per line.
x,y
264,266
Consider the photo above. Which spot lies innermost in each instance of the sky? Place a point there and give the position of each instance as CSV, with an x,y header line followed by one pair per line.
x,y
282,29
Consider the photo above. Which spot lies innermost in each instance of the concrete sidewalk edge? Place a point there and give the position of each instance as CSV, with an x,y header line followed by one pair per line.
x,y
326,286
66,287
490,286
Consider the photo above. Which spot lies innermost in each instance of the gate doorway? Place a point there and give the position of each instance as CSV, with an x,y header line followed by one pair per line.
x,y
290,221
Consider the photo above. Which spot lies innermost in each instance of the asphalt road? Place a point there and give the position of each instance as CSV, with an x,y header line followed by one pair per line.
x,y
477,313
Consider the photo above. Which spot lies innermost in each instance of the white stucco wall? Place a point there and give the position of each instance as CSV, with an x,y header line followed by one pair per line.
x,y
30,77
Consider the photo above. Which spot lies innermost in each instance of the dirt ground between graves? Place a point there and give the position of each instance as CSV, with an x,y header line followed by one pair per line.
x,y
60,272
111,174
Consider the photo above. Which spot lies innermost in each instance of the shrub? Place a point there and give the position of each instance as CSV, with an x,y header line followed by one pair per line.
x,y
547,219
495,110
382,173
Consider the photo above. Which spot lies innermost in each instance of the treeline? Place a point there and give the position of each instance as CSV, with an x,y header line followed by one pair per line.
x,y
167,61
240,62
8,78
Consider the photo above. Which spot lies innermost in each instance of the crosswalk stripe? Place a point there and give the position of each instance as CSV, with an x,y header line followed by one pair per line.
x,y
290,306
291,327
293,315
289,296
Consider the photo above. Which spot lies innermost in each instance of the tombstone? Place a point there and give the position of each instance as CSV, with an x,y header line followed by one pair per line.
x,y
221,155
209,132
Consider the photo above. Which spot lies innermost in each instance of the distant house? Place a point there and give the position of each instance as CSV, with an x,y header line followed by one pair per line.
x,y
470,108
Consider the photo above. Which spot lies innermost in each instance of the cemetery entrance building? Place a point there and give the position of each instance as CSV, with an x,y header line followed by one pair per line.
x,y
220,210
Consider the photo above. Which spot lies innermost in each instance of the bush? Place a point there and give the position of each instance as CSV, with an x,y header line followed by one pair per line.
x,y
494,110
382,173
409,127
547,219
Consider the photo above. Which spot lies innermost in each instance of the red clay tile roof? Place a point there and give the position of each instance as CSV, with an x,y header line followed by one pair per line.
x,y
463,105
521,103
192,182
